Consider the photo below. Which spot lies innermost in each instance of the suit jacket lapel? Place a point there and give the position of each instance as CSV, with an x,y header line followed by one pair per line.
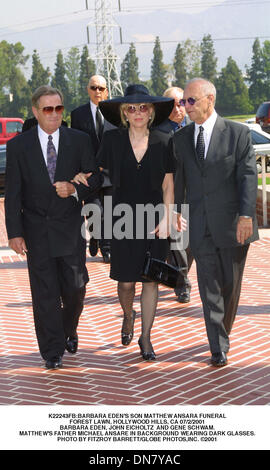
x,y
215,140
107,126
37,158
87,116
190,140
63,151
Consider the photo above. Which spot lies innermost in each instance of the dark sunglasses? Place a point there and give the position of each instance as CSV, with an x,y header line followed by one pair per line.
x,y
95,88
190,100
142,108
50,109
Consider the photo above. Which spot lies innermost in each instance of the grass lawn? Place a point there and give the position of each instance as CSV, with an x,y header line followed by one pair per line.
x,y
240,117
260,181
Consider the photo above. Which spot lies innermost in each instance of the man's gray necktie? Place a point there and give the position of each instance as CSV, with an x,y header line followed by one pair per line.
x,y
51,158
200,146
99,124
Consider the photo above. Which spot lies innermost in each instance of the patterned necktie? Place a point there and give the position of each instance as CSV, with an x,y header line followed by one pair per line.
x,y
51,158
99,124
200,146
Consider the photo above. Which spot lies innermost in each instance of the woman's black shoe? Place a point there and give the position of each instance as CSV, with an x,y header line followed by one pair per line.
x,y
127,336
147,356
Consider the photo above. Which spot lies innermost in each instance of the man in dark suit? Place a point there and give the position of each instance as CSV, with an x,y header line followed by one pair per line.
x,y
178,117
89,119
216,171
182,258
43,220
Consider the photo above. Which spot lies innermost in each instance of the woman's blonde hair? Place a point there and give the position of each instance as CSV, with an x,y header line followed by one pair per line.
x,y
124,121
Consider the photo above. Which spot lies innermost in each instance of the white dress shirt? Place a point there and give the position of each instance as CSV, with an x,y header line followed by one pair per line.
x,y
208,127
43,138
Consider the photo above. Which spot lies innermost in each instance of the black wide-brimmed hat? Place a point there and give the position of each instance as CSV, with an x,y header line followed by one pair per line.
x,y
136,94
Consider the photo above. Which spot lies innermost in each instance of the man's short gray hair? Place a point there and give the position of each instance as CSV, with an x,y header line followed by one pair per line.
x,y
45,90
207,87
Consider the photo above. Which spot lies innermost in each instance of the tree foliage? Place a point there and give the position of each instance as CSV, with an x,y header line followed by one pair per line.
x,y
40,75
87,69
14,91
72,72
72,65
59,79
187,62
232,92
255,76
130,68
208,59
180,67
158,70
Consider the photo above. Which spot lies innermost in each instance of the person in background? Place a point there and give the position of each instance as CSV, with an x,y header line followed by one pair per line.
x,y
89,119
43,220
180,258
217,176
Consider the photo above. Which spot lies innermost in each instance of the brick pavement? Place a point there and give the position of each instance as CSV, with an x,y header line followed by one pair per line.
x,y
105,373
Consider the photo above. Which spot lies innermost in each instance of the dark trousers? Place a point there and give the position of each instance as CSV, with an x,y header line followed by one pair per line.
x,y
98,198
220,274
181,259
58,291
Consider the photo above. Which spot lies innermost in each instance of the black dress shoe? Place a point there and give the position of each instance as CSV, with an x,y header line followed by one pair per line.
x,y
106,257
54,362
127,332
146,355
184,297
219,359
93,246
72,344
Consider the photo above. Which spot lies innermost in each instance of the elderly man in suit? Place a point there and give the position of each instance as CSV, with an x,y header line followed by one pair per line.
x,y
182,258
89,119
43,220
216,172
178,117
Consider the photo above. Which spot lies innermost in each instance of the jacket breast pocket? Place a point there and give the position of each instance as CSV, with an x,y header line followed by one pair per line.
x,y
226,166
228,160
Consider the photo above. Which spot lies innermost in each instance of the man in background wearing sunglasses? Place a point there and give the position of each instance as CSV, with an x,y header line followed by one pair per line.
x,y
43,220
216,172
89,119
180,258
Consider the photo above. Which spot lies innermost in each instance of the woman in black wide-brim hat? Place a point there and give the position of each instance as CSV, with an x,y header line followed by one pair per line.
x,y
141,164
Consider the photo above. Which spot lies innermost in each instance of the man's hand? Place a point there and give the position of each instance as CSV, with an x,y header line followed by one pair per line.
x,y
18,245
64,188
81,178
179,223
244,229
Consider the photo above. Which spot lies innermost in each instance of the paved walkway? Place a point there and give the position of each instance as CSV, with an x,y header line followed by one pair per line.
x,y
105,373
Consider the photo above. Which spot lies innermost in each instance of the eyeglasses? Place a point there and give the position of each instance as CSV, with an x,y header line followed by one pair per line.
x,y
95,88
50,109
190,100
142,108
